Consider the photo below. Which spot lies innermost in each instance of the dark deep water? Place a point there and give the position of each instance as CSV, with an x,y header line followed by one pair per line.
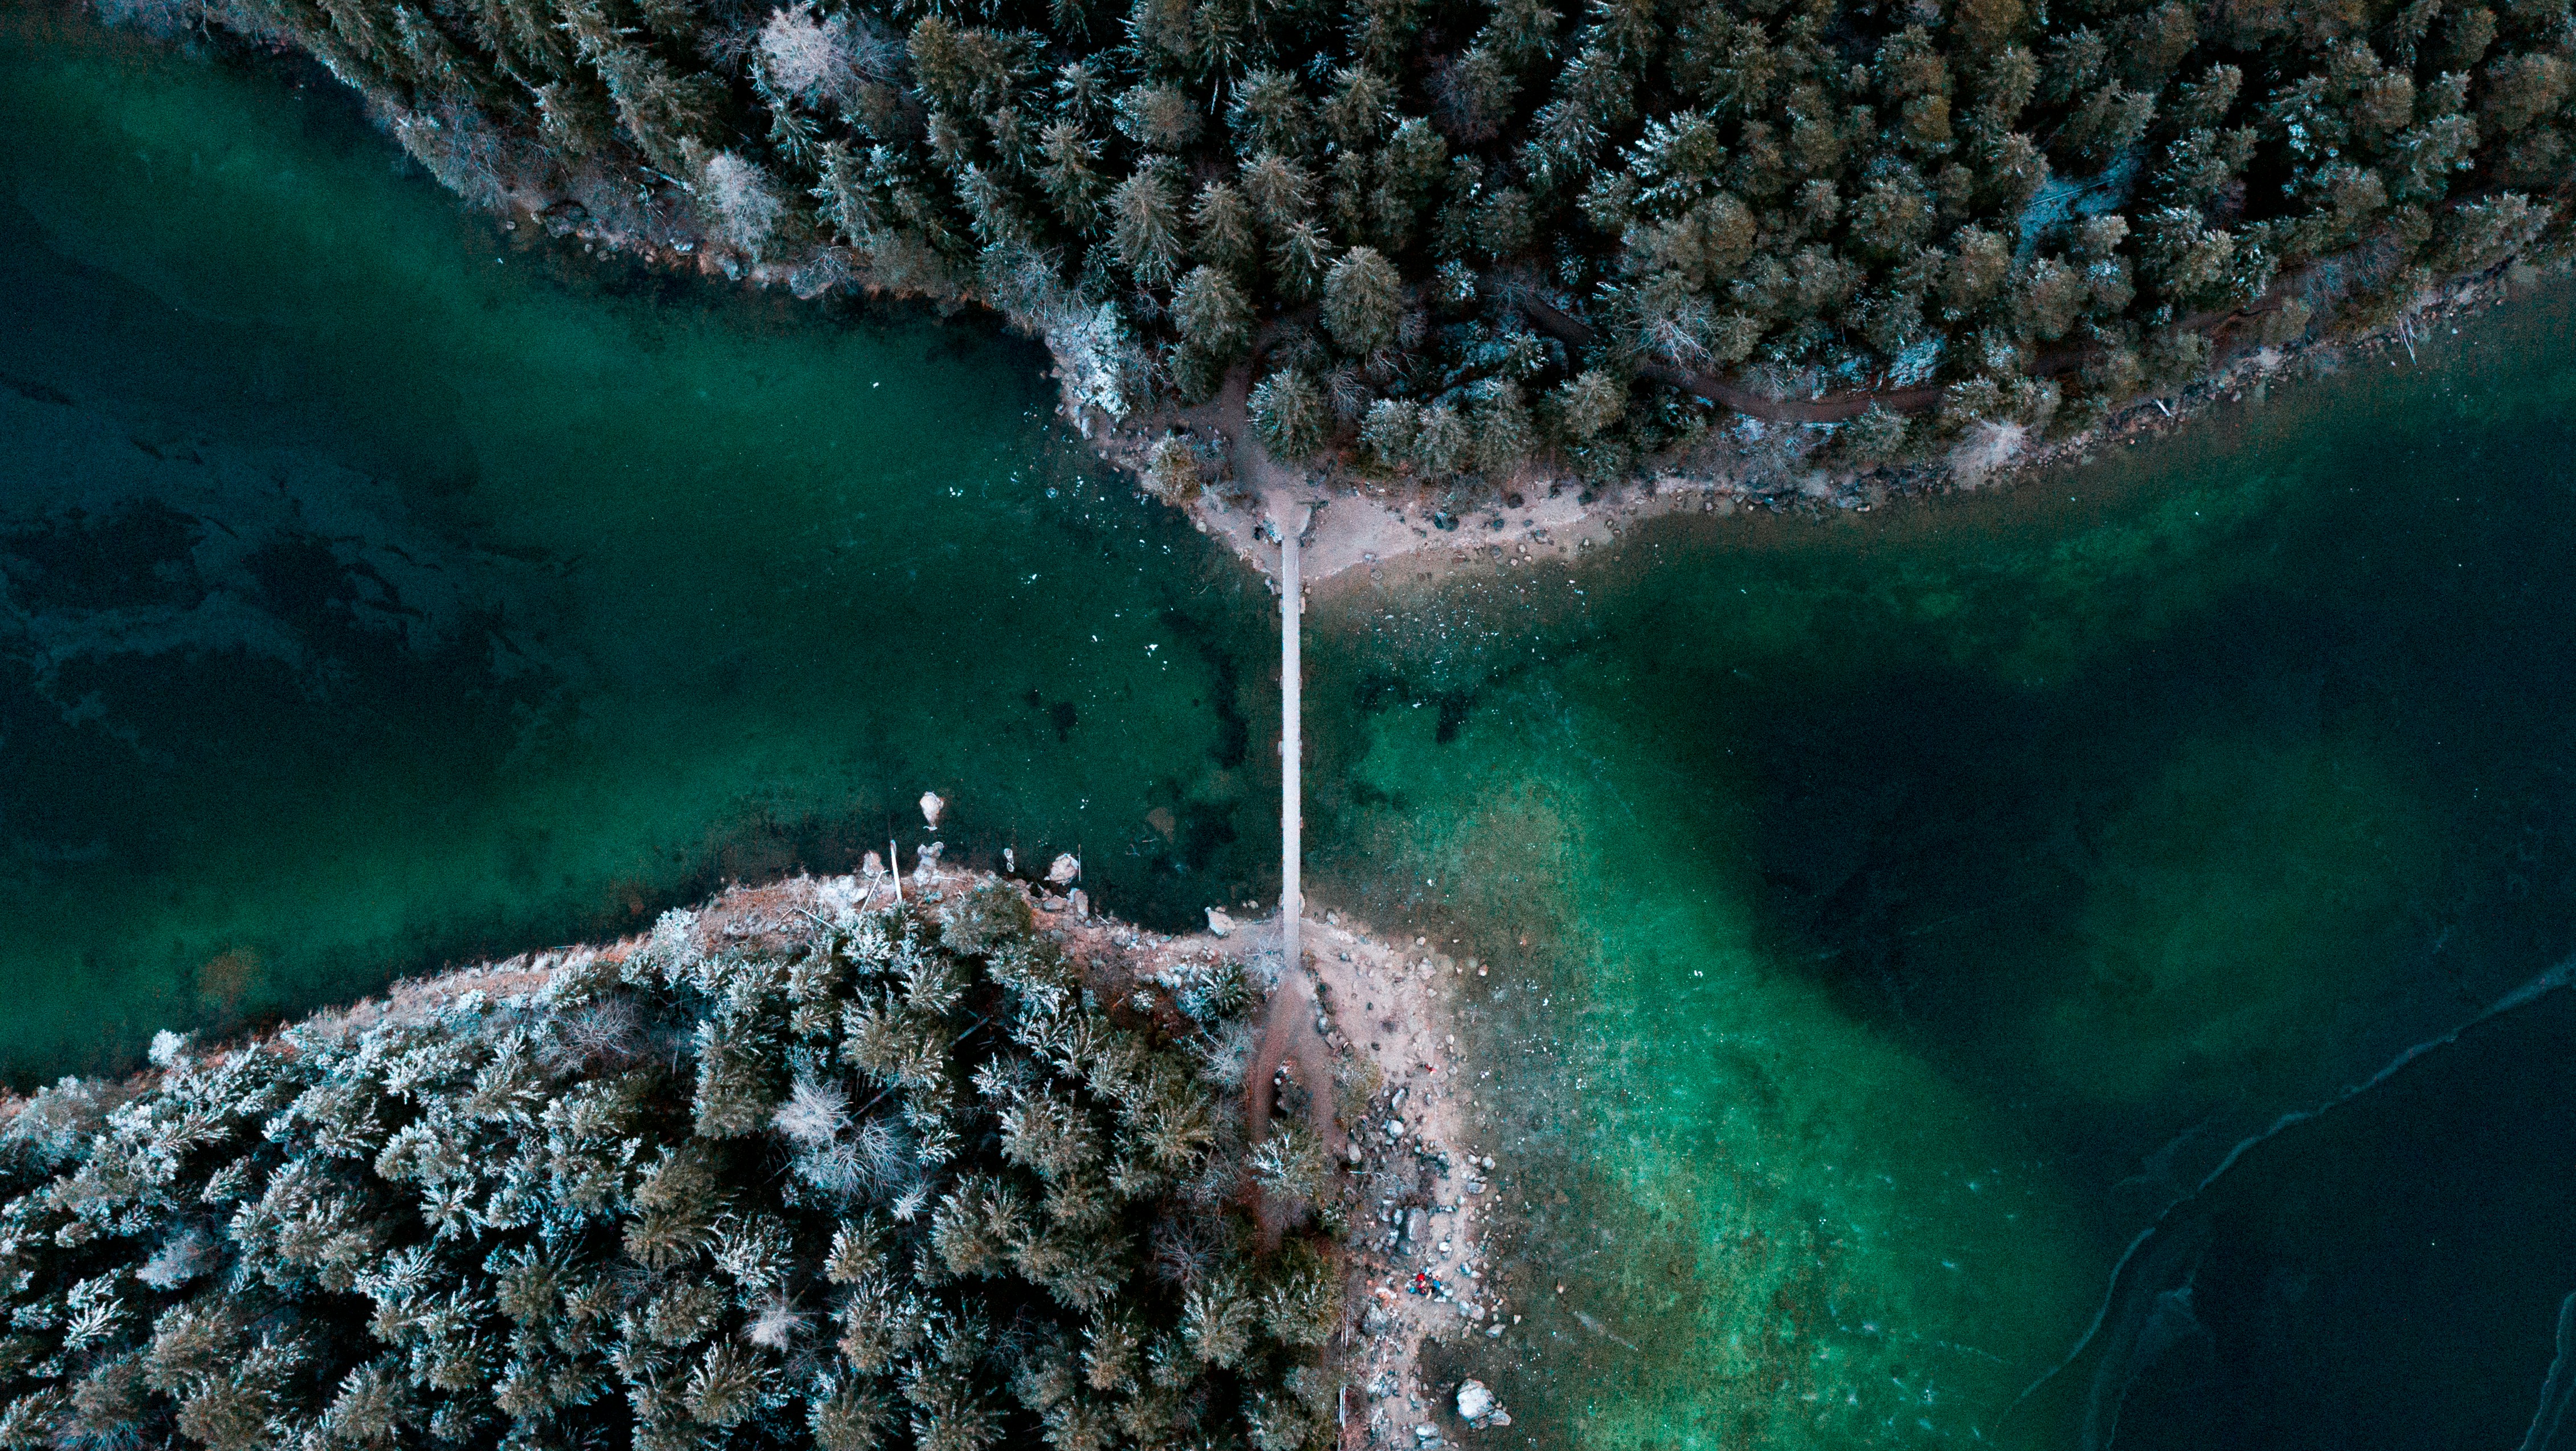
x,y
1891,917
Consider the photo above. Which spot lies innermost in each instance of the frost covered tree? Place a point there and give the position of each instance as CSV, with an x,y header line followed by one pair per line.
x,y
881,1183
739,200
1703,200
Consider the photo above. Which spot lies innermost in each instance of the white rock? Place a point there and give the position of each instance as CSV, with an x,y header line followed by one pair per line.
x,y
1219,924
931,806
1065,868
1474,1401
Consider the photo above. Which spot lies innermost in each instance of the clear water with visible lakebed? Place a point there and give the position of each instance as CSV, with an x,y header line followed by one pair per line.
x,y
1888,919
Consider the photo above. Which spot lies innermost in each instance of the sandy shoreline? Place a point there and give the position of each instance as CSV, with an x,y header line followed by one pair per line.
x,y
1358,532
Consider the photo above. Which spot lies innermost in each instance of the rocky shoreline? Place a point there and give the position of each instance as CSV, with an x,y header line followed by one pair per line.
x,y
1421,1232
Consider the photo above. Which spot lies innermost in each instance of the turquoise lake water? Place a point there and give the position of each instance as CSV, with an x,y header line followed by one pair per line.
x,y
1899,913
1891,917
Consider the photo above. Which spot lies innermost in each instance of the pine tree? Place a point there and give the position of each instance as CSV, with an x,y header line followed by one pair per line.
x,y
1223,224
846,1416
1440,440
1504,432
1363,301
2078,60
1213,315
1299,261
1362,108
2470,33
1873,438
1289,416
1067,169
2047,297
2522,88
1158,116
943,62
1389,430
1975,272
1586,404
2153,44
2109,122
1217,1321
1302,1303
727,1385
1145,225
1113,1351
1282,193
1267,114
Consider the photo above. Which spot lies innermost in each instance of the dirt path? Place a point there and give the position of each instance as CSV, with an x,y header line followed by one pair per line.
x,y
1288,1033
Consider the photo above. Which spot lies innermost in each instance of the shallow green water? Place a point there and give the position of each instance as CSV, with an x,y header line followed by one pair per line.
x,y
1889,917
382,587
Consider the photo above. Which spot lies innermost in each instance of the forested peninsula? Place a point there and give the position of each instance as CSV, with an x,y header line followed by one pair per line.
x,y
825,1169
1443,244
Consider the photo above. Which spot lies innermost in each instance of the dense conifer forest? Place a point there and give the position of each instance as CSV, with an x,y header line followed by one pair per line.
x,y
1446,237
910,1180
